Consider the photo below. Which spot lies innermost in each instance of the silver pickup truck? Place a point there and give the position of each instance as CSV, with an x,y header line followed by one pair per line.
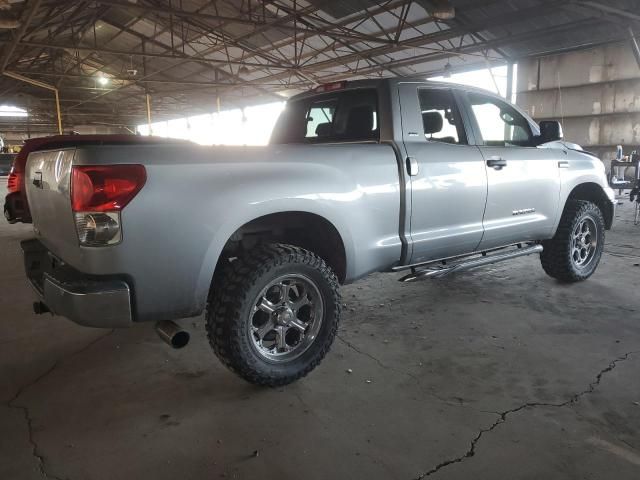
x,y
359,177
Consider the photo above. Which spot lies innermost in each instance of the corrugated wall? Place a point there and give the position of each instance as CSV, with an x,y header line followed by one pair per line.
x,y
595,93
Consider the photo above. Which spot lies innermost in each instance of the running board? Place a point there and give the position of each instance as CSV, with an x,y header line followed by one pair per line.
x,y
445,270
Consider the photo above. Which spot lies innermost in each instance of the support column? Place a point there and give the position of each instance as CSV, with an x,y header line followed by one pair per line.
x,y
148,111
58,112
634,45
509,81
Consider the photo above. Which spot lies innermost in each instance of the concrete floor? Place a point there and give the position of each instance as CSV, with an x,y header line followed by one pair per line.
x,y
502,373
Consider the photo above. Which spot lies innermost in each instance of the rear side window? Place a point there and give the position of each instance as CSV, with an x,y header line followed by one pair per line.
x,y
500,124
440,117
347,116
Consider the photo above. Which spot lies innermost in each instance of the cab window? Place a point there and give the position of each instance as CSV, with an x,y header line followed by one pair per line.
x,y
320,118
347,116
440,117
499,123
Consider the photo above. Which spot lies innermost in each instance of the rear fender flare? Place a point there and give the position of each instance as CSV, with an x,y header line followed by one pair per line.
x,y
235,221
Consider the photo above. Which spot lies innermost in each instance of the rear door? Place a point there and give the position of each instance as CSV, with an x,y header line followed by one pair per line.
x,y
523,181
447,175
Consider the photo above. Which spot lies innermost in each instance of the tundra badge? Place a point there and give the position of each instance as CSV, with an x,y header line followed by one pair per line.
x,y
523,211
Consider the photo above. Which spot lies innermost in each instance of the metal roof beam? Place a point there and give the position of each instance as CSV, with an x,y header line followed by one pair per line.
x,y
160,82
25,22
483,46
113,51
609,9
420,42
236,20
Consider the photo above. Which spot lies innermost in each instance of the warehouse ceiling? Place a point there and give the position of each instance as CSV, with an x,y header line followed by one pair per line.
x,y
187,54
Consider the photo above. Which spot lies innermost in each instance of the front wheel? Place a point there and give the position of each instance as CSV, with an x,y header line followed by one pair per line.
x,y
273,314
573,254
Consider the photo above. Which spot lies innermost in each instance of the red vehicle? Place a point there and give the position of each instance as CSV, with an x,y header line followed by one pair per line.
x,y
16,207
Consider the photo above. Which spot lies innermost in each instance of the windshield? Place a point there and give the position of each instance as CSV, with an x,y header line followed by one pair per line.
x,y
347,116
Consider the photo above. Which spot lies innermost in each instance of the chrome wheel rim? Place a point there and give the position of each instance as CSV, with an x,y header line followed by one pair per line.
x,y
584,241
285,318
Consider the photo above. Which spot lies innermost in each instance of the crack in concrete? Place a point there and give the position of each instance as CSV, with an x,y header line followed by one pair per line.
x,y
362,352
418,380
25,410
503,415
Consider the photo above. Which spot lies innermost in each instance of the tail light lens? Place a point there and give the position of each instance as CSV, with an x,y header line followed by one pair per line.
x,y
14,182
105,188
98,194
98,229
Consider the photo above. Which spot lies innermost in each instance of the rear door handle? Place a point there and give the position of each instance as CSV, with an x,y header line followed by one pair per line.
x,y
563,164
496,162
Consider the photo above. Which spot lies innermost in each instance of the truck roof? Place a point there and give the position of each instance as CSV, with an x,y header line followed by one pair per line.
x,y
376,82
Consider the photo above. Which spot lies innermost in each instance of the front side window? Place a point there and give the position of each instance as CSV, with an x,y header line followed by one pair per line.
x,y
347,116
500,124
440,117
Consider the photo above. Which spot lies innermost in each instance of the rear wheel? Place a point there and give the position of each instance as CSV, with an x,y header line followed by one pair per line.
x,y
273,314
573,254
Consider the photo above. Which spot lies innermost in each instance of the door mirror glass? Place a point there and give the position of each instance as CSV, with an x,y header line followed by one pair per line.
x,y
550,131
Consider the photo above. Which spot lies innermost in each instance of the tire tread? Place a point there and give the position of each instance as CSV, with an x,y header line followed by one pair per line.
x,y
230,292
556,258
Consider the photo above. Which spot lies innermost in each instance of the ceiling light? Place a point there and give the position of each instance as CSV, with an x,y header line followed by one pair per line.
x,y
103,80
442,9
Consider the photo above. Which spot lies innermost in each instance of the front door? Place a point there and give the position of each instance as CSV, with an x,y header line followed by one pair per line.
x,y
447,176
523,181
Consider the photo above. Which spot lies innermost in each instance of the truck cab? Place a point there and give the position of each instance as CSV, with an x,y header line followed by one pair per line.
x,y
475,172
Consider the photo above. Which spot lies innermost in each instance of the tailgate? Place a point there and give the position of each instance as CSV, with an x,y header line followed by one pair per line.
x,y
47,183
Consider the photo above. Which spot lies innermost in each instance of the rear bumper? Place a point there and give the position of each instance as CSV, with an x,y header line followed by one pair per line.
x,y
85,299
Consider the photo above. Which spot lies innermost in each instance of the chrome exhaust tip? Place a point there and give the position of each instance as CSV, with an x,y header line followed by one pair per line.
x,y
172,334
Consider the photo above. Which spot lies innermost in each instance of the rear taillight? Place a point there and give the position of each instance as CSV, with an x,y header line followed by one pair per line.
x,y
98,194
14,182
105,188
98,229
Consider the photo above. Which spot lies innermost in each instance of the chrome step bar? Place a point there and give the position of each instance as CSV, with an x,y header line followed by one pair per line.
x,y
441,269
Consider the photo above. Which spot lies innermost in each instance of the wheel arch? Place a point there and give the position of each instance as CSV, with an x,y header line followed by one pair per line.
x,y
593,192
302,229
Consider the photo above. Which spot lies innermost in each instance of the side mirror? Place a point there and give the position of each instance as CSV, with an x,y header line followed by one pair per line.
x,y
550,131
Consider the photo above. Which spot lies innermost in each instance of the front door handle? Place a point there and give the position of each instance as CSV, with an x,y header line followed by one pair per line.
x,y
412,166
496,162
